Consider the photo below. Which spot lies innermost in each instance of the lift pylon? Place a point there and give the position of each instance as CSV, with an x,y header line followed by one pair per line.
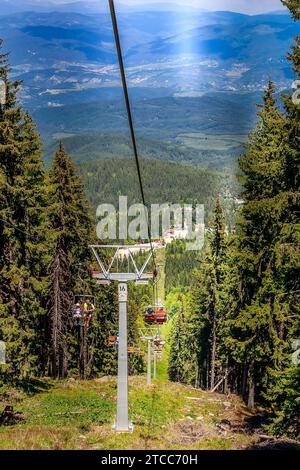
x,y
149,335
106,276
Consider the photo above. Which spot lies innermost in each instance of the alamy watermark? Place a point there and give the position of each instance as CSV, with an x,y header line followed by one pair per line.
x,y
2,352
296,353
165,221
296,94
2,92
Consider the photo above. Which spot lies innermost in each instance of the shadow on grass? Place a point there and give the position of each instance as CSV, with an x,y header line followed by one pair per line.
x,y
34,386
255,424
276,444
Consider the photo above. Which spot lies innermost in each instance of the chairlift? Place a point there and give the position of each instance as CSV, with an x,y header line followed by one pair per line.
x,y
149,315
161,316
139,352
80,298
134,350
113,341
156,316
82,313
158,342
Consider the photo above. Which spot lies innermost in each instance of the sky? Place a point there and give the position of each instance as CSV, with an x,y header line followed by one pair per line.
x,y
243,6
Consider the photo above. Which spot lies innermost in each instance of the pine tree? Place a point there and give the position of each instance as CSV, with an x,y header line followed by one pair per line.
x,y
283,394
70,232
177,346
209,302
259,329
294,7
286,402
198,352
22,255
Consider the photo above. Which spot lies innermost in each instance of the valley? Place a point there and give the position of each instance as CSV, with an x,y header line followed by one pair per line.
x,y
194,73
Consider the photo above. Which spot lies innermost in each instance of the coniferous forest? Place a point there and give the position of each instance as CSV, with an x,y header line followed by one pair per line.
x,y
234,321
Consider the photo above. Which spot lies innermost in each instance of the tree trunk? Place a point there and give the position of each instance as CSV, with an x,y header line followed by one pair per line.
x,y
207,371
213,354
244,380
58,306
226,389
197,379
251,387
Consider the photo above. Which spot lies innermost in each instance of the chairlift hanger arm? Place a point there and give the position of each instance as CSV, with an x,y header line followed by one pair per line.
x,y
93,247
112,261
120,276
145,264
133,262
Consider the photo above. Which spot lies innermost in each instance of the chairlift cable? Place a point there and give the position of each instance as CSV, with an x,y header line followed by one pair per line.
x,y
129,114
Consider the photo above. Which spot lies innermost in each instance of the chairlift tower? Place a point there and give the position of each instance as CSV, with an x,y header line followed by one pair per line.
x,y
149,334
154,364
104,277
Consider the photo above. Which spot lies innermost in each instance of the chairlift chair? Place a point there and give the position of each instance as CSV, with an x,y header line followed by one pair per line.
x,y
149,315
139,352
158,351
113,341
158,342
80,298
160,316
154,315
80,318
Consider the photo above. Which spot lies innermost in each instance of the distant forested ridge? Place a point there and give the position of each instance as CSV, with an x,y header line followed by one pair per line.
x,y
164,182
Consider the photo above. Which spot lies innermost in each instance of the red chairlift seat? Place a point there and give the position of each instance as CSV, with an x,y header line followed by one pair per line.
x,y
158,342
149,315
160,316
112,341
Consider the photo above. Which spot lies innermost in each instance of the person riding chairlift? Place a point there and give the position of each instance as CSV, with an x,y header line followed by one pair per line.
x,y
77,314
149,314
88,311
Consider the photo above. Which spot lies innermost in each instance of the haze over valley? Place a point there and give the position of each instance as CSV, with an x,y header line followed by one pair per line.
x,y
194,78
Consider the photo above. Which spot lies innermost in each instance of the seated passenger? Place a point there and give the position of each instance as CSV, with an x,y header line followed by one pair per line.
x,y
88,311
77,314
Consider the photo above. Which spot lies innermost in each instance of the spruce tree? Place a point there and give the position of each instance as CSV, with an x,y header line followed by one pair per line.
x,y
69,235
178,345
283,394
22,254
206,315
259,328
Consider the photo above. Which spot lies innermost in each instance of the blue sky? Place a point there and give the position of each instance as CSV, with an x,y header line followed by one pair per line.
x,y
244,6
247,6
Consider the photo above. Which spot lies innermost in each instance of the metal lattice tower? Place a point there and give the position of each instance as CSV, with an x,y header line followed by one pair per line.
x,y
105,276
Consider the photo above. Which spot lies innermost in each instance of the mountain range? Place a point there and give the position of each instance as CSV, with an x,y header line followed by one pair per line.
x,y
189,72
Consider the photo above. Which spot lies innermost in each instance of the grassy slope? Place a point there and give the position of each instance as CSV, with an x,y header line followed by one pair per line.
x,y
79,415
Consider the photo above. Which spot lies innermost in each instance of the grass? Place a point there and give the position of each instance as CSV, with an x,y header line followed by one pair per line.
x,y
79,415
